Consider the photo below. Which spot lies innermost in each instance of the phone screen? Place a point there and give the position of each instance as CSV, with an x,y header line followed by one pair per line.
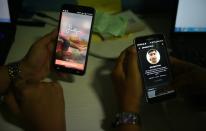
x,y
73,39
154,65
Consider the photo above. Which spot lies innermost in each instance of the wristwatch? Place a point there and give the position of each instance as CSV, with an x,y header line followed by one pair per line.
x,y
14,71
131,118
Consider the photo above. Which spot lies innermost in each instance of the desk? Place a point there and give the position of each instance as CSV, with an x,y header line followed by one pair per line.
x,y
90,100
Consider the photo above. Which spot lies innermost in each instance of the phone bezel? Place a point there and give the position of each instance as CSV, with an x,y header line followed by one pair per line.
x,y
74,9
162,97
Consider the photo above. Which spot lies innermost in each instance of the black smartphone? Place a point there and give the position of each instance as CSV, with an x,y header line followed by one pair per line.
x,y
72,46
155,68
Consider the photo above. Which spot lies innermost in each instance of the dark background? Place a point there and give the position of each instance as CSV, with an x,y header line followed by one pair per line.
x,y
138,6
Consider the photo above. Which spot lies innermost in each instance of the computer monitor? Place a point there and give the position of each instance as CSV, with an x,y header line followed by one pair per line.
x,y
190,16
188,34
4,12
8,14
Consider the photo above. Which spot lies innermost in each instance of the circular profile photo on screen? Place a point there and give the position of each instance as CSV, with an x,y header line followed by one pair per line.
x,y
153,56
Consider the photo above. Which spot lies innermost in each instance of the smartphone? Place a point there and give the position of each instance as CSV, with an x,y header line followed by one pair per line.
x,y
154,67
72,46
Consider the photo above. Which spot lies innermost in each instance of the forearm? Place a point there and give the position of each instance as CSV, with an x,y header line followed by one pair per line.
x,y
48,128
45,126
128,128
130,105
4,79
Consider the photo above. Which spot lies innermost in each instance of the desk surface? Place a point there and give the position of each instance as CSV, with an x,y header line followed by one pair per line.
x,y
90,99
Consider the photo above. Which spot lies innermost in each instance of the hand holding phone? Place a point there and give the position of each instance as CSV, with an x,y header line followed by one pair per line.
x,y
154,67
71,52
127,81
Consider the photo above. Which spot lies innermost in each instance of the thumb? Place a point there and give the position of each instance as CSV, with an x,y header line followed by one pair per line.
x,y
48,38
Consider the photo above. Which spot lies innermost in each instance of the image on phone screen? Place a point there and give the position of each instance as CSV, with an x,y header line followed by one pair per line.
x,y
73,39
154,65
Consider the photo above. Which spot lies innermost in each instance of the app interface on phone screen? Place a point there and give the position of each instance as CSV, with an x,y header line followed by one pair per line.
x,y
73,39
154,66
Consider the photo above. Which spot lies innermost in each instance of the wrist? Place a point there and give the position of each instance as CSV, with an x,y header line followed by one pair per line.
x,y
18,70
26,72
13,71
4,79
130,105
130,108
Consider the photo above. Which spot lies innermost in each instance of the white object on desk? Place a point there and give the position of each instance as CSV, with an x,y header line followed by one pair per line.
x,y
111,48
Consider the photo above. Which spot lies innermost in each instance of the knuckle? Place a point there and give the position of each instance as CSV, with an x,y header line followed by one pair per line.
x,y
132,50
114,73
60,89
57,87
24,92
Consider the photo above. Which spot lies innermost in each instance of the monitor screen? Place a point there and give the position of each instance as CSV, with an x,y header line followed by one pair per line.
x,y
191,16
4,12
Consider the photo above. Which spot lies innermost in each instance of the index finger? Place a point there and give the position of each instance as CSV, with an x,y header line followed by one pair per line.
x,y
54,34
119,69
132,66
48,38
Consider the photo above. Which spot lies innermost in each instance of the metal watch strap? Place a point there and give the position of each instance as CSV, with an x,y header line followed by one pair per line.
x,y
14,71
131,118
